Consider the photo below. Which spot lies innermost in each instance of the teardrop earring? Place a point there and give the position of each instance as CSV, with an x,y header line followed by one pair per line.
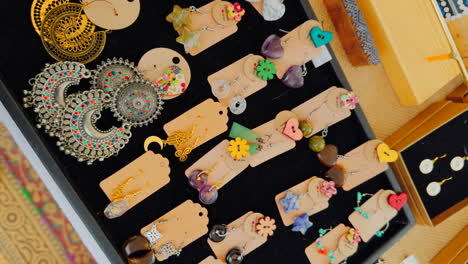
x,y
457,163
427,165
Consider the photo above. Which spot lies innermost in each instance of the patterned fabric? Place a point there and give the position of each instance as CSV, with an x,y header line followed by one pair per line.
x,y
363,33
32,227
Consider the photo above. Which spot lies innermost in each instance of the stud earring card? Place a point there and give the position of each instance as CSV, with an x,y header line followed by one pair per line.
x,y
223,168
311,202
241,78
149,173
244,236
335,241
214,16
363,163
185,224
211,260
279,143
380,213
298,49
209,119
323,110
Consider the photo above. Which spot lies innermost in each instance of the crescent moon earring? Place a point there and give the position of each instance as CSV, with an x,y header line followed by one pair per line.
x,y
79,136
49,89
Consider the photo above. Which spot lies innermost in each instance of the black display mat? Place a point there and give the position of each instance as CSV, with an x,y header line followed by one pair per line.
x,y
450,139
25,57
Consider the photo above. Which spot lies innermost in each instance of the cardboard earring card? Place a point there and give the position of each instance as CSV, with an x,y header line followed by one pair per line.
x,y
112,14
244,236
381,212
214,16
223,167
241,77
363,163
279,143
323,110
211,260
298,49
155,62
312,202
208,120
144,176
334,240
185,224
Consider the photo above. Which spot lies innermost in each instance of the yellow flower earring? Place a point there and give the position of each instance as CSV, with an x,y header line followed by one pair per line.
x,y
239,148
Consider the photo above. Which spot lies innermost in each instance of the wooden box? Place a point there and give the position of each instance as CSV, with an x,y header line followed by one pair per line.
x,y
440,129
406,33
456,252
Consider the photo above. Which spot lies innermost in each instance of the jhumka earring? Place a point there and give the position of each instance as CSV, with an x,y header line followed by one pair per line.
x,y
110,74
49,90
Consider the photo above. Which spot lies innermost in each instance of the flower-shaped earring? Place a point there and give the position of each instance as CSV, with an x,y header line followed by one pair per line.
x,y
348,100
265,226
235,12
239,148
266,70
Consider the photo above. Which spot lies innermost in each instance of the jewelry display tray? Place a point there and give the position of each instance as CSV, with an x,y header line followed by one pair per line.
x,y
254,189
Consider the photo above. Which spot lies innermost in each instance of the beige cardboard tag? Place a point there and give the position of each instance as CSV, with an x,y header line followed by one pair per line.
x,y
211,260
241,78
323,110
207,120
154,62
222,168
185,224
279,144
363,163
213,15
381,213
311,203
112,14
335,241
148,173
299,48
244,236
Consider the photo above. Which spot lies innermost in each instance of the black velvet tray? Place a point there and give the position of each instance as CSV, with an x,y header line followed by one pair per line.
x,y
25,57
450,139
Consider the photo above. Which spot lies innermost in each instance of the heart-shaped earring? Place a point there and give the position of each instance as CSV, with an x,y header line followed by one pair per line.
x,y
273,9
320,37
385,154
397,201
294,76
272,47
292,130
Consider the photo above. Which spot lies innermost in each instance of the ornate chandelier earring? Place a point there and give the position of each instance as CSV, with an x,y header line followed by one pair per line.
x,y
111,73
137,102
79,136
39,10
427,165
49,89
68,35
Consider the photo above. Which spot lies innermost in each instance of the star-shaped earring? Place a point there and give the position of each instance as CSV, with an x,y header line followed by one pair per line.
x,y
189,39
153,235
290,202
179,17
302,224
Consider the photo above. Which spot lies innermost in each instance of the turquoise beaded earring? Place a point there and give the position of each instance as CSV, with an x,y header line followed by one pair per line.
x,y
358,208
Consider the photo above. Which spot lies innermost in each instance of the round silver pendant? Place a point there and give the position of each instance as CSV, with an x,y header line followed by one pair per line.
x,y
433,188
457,163
137,102
110,74
221,89
237,105
49,90
426,166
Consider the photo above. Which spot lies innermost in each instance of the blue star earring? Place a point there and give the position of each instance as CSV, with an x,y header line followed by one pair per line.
x,y
291,201
302,224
